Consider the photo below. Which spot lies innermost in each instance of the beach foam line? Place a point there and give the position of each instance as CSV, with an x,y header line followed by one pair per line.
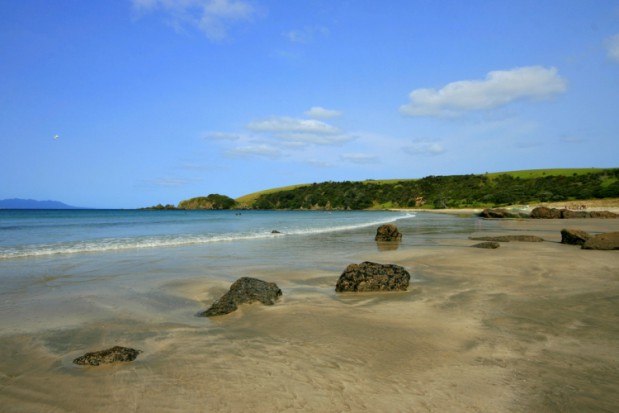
x,y
128,243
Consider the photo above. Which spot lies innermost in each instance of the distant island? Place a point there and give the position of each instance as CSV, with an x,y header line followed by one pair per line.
x,y
17,203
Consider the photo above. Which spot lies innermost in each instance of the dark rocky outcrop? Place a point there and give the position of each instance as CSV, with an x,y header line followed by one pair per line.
x,y
554,213
370,276
111,355
388,232
568,213
603,214
501,213
244,291
487,245
574,236
608,241
546,213
507,238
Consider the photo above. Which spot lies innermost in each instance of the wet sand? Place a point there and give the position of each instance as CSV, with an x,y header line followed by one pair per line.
x,y
528,327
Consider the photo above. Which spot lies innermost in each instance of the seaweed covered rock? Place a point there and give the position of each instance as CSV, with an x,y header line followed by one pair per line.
x,y
608,241
370,276
502,213
245,290
546,213
388,232
574,236
115,354
508,238
490,245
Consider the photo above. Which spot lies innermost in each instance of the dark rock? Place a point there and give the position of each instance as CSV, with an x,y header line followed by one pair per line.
x,y
507,238
501,213
111,355
568,213
603,214
388,232
545,213
487,245
608,241
370,276
275,232
244,290
574,236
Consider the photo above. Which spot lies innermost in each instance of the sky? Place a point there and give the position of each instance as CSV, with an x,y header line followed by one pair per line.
x,y
131,103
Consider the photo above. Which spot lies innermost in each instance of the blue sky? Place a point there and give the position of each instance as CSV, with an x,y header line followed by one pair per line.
x,y
130,103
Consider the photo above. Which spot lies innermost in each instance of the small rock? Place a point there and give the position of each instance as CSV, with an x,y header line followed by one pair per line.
x,y
608,241
487,245
370,276
388,232
244,290
111,355
501,213
507,238
574,236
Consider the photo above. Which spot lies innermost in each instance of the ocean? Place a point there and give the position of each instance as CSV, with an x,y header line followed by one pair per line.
x,y
82,260
73,281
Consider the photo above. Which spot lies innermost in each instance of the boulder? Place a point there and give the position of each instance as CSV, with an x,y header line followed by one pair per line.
x,y
501,213
603,214
568,213
370,276
388,232
242,291
487,245
574,236
111,355
545,213
507,238
608,241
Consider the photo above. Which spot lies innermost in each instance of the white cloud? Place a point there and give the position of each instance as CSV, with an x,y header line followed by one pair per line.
x,y
612,46
261,150
361,158
322,113
286,124
213,17
500,87
297,132
424,148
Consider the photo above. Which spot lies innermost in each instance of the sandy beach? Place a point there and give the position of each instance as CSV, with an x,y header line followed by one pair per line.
x,y
528,327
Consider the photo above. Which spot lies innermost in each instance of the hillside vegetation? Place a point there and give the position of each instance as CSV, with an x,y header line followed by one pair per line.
x,y
454,191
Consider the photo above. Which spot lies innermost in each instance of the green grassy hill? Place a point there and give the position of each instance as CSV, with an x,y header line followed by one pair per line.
x,y
453,191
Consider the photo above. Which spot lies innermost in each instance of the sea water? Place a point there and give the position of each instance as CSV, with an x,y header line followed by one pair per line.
x,y
61,267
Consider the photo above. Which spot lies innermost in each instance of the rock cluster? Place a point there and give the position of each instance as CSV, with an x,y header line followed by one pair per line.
x,y
111,355
554,213
244,290
370,276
